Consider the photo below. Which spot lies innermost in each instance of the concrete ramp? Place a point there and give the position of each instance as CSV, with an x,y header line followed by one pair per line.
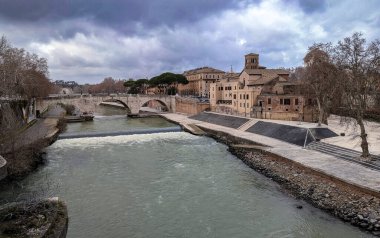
x,y
291,134
193,129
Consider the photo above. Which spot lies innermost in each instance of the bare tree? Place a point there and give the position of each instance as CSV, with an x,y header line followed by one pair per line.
x,y
22,75
321,79
359,63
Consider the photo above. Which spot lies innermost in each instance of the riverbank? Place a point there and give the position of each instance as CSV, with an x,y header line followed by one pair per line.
x,y
39,219
345,202
353,203
24,153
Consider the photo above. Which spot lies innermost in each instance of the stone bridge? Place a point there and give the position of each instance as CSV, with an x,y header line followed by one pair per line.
x,y
132,102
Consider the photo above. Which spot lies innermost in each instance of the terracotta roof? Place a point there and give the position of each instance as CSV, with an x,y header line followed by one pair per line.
x,y
230,76
202,70
266,71
253,54
266,79
287,83
262,80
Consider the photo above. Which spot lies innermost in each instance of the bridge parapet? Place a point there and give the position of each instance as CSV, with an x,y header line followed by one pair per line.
x,y
89,102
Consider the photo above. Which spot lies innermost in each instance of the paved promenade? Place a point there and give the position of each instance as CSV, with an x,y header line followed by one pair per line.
x,y
346,171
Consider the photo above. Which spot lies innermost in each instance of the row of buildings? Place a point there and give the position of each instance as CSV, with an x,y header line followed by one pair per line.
x,y
254,92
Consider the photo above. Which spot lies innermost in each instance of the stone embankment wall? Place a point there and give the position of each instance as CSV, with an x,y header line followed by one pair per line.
x,y
345,201
3,168
12,115
190,106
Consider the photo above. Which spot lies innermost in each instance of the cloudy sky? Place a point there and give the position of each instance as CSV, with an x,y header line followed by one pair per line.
x,y
87,40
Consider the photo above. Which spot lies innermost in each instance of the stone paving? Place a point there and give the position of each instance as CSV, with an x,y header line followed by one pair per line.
x,y
343,170
352,139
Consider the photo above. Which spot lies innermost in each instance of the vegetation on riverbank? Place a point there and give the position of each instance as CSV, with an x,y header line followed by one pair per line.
x,y
26,158
43,218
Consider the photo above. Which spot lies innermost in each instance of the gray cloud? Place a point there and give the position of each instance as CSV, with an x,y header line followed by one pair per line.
x,y
119,14
310,6
87,42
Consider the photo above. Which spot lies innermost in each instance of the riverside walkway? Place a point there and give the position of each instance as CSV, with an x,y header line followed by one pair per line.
x,y
329,165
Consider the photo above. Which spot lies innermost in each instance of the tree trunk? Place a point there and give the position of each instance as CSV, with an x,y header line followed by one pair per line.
x,y
363,136
325,117
320,116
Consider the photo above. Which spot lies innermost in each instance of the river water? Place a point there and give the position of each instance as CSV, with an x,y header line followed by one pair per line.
x,y
166,185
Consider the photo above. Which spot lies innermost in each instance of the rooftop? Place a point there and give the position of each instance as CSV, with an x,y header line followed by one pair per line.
x,y
202,70
266,71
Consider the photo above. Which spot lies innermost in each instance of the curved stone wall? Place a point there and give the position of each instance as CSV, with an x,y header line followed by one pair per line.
x,y
3,168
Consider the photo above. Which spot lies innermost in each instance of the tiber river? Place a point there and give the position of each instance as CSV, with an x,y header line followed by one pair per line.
x,y
166,185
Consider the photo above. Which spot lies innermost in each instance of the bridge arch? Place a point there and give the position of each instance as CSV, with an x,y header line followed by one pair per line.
x,y
119,102
163,106
132,102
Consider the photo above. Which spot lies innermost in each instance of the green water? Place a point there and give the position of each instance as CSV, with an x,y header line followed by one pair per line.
x,y
167,185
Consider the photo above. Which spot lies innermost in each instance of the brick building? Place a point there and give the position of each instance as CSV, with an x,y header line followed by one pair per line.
x,y
199,81
258,92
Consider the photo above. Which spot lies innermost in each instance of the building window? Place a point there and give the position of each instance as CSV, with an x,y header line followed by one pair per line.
x,y
247,96
269,109
234,96
281,101
287,101
269,101
296,101
240,96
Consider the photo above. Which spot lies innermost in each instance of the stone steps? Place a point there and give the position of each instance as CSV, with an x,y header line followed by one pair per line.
x,y
345,154
247,125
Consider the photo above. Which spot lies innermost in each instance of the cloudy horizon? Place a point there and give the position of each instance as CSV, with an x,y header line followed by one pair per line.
x,y
87,42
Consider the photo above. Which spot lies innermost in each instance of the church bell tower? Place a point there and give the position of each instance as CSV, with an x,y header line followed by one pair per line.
x,y
251,61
